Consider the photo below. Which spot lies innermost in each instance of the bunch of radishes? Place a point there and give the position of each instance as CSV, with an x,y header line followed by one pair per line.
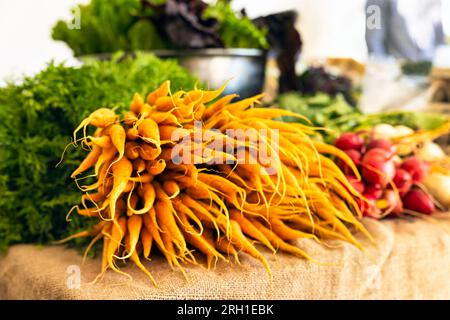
x,y
390,184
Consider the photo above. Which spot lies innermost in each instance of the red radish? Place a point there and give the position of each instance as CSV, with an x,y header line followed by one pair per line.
x,y
378,152
369,208
403,181
416,167
384,144
349,140
357,184
420,201
393,202
355,156
374,191
377,167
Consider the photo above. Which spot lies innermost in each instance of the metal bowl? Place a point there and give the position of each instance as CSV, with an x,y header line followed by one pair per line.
x,y
245,68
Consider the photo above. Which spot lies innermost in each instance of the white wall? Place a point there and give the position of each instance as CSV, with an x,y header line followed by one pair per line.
x,y
25,41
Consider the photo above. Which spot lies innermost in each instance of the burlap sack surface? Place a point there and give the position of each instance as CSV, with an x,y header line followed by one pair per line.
x,y
411,261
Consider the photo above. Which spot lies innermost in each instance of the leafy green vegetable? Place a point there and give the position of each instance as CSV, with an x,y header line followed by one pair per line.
x,y
109,26
144,36
414,120
421,68
236,31
320,109
37,118
337,116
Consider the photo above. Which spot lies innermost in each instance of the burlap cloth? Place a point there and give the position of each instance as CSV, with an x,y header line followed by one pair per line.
x,y
412,261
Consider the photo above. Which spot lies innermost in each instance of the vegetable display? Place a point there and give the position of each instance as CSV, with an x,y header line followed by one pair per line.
x,y
129,25
391,169
185,173
317,80
338,116
37,116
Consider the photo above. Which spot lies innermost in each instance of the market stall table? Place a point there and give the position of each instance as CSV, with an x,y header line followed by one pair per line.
x,y
411,261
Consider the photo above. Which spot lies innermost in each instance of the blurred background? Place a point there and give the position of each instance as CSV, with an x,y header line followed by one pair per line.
x,y
347,37
327,27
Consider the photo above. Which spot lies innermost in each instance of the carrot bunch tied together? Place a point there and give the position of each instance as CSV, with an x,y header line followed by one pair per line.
x,y
184,174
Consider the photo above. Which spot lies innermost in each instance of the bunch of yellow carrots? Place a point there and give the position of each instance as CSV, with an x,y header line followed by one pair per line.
x,y
200,177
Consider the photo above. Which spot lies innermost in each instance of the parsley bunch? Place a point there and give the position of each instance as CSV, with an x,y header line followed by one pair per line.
x,y
37,118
